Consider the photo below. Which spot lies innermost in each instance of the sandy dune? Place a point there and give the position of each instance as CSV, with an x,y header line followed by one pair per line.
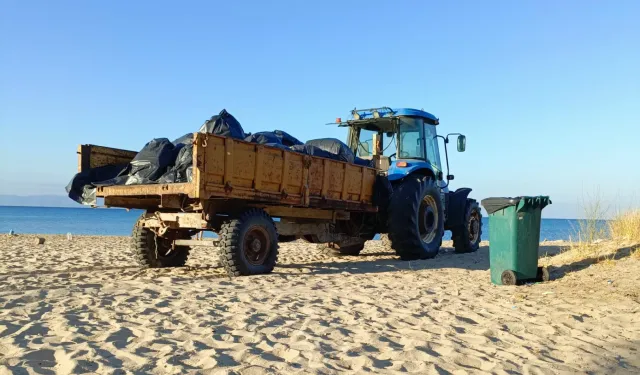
x,y
83,306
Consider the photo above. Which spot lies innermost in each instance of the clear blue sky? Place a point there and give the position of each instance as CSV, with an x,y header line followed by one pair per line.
x,y
547,92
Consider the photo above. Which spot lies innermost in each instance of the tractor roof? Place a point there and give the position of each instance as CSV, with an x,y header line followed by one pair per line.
x,y
394,112
379,115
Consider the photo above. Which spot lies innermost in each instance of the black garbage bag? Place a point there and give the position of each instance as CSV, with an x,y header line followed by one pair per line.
x,y
148,165
178,173
286,138
186,139
82,186
335,147
262,138
152,161
223,124
313,151
363,162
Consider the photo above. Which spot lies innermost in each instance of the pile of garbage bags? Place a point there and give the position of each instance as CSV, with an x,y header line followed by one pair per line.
x,y
163,161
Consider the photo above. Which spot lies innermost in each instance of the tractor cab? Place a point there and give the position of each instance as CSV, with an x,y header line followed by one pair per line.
x,y
400,141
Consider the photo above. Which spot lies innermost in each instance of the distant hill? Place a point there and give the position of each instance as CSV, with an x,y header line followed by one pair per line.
x,y
38,201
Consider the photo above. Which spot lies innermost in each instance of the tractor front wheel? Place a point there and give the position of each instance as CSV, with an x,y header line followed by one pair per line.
x,y
416,219
466,238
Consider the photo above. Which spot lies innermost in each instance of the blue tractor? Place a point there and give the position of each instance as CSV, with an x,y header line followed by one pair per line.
x,y
415,203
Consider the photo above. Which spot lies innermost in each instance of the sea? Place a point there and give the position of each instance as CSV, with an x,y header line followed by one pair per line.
x,y
119,222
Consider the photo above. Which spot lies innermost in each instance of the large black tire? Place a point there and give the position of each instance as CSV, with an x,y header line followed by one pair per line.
x,y
466,239
152,251
416,218
333,248
249,244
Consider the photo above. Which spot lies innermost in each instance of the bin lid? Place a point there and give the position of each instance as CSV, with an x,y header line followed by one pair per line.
x,y
494,204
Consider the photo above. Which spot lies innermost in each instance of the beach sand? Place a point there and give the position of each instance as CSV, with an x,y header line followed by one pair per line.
x,y
84,306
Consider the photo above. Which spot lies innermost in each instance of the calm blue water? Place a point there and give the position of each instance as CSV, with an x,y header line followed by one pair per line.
x,y
118,222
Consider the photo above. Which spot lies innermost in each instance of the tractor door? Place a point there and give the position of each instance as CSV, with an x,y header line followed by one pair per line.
x,y
431,145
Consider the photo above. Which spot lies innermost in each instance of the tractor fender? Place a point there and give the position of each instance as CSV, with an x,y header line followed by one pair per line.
x,y
413,167
455,208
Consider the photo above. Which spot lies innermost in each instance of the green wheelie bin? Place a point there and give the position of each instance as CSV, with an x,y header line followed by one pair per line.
x,y
514,239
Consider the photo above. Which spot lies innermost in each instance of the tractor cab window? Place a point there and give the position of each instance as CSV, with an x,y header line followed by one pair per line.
x,y
365,143
411,138
366,147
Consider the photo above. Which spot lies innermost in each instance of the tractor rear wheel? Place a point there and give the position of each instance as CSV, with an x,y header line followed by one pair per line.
x,y
249,244
416,219
466,238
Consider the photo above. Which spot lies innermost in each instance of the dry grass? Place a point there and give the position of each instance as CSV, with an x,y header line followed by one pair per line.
x,y
591,232
597,239
626,227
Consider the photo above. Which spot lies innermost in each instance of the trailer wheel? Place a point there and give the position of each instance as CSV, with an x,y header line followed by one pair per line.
x,y
152,251
466,238
333,248
249,244
416,220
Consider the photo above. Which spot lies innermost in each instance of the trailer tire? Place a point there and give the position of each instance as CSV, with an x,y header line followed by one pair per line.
x,y
249,244
466,238
333,248
145,242
416,218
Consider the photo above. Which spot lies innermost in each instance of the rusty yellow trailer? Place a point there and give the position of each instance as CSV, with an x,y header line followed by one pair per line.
x,y
235,190
226,168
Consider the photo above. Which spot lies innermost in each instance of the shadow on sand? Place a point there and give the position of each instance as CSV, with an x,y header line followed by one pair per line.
x,y
478,261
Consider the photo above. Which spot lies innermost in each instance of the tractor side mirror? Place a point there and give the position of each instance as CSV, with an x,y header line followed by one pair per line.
x,y
462,143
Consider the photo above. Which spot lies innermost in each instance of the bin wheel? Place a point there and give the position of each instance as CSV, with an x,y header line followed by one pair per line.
x,y
543,274
249,244
509,278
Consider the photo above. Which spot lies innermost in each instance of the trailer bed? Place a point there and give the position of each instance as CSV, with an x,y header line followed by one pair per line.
x,y
227,168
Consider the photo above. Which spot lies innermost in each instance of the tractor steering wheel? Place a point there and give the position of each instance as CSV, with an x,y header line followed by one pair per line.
x,y
392,156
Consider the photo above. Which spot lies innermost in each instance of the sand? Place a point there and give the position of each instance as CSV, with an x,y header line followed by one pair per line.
x,y
83,306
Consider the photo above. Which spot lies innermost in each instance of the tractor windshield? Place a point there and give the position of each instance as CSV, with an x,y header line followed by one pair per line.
x,y
411,138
